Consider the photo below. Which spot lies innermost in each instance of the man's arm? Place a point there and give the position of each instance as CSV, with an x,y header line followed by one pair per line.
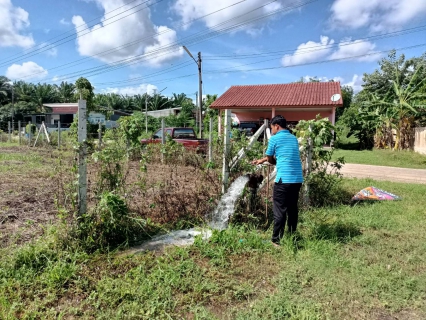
x,y
270,159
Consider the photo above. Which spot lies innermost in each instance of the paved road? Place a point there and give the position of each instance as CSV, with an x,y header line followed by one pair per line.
x,y
384,173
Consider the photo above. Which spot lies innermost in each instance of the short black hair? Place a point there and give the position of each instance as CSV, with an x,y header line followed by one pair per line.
x,y
279,120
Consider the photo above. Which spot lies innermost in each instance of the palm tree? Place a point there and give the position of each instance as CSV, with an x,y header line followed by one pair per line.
x,y
126,103
179,100
44,93
139,102
24,91
159,102
100,100
5,88
114,101
66,92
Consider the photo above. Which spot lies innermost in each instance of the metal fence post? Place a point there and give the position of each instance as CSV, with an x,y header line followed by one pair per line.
x,y
59,134
226,140
100,135
211,140
9,130
29,133
308,165
163,139
19,131
82,166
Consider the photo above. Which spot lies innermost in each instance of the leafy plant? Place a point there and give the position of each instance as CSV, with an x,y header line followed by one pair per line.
x,y
322,177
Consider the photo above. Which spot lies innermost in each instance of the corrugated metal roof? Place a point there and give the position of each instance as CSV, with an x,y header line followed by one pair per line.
x,y
64,110
61,105
310,94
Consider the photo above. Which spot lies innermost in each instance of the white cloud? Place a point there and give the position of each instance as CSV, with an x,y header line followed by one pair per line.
x,y
189,10
164,37
13,20
26,71
64,22
378,15
136,28
356,83
48,49
131,91
348,48
315,51
323,79
308,52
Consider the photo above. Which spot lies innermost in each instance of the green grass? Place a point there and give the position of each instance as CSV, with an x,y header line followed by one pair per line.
x,y
366,261
403,159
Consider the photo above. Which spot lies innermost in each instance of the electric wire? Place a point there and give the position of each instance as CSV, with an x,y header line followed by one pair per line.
x,y
2,63
73,30
219,71
200,36
311,49
51,46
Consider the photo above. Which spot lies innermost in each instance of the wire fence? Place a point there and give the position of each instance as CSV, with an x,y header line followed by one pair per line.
x,y
38,134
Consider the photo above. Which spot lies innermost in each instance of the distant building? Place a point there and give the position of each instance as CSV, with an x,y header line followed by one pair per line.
x,y
164,112
66,112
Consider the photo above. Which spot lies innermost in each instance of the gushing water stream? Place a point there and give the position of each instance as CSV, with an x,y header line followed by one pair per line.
x,y
219,221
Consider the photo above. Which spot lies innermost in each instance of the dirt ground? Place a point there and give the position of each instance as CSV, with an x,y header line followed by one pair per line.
x,y
34,180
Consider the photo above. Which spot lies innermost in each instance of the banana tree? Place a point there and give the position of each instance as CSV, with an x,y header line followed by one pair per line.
x,y
406,102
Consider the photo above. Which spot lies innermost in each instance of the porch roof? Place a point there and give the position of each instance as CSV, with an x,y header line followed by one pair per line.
x,y
291,95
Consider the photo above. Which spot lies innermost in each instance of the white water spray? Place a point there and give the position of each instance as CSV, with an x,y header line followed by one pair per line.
x,y
226,206
219,221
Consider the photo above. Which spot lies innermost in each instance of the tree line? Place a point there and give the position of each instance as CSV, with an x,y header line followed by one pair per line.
x,y
22,98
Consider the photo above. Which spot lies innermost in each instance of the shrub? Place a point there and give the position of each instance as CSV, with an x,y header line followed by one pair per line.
x,y
106,226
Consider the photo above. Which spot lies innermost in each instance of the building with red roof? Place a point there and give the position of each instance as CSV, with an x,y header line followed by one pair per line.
x,y
294,101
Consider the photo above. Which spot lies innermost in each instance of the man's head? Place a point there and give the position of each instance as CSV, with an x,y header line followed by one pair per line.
x,y
278,123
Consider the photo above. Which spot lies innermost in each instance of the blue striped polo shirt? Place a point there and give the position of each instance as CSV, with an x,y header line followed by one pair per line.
x,y
284,146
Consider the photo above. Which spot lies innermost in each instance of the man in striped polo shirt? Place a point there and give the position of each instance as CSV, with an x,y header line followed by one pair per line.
x,y
283,151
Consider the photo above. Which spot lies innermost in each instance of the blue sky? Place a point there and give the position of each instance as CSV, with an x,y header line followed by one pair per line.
x,y
131,46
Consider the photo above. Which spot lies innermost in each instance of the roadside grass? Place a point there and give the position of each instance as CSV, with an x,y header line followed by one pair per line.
x,y
403,159
365,261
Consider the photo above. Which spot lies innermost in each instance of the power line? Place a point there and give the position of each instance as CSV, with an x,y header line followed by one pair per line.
x,y
321,47
49,47
198,38
311,49
316,62
72,30
218,71
79,61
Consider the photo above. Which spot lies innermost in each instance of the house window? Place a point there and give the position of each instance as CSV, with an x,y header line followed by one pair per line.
x,y
40,119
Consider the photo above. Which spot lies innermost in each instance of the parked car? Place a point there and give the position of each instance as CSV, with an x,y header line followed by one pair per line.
x,y
249,129
184,136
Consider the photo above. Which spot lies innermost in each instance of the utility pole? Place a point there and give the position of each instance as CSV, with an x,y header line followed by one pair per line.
x,y
200,87
196,103
13,103
13,107
200,97
146,112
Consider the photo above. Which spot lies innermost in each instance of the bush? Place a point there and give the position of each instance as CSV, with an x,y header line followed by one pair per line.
x,y
107,226
323,178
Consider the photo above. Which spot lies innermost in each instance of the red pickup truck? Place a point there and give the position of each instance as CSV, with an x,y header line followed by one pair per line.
x,y
185,136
